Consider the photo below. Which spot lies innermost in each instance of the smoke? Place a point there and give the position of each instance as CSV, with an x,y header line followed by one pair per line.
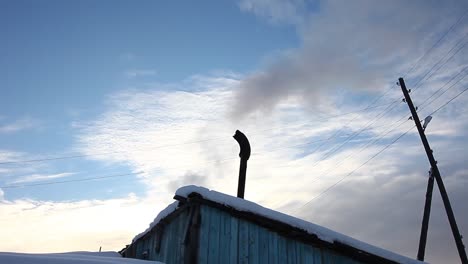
x,y
356,46
189,178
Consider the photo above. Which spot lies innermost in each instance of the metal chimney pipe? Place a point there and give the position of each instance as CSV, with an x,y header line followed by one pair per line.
x,y
244,155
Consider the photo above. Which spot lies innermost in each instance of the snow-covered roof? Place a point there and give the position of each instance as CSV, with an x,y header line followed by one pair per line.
x,y
242,205
69,258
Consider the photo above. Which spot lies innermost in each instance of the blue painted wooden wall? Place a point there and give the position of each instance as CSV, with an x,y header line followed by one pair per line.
x,y
225,239
171,249
229,240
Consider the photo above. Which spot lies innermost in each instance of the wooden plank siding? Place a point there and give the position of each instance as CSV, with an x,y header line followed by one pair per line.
x,y
213,233
171,248
228,239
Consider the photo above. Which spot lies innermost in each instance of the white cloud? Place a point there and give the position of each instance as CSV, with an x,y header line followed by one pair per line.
x,y
362,46
7,155
45,226
129,56
41,177
134,73
18,125
185,137
182,135
276,11
9,169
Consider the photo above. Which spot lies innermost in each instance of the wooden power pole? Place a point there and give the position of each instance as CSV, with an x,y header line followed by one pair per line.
x,y
436,174
426,214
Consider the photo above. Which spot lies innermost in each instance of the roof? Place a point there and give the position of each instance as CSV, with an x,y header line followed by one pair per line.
x,y
275,220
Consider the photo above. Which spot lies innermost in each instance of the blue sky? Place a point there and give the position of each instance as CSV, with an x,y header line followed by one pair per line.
x,y
149,93
63,59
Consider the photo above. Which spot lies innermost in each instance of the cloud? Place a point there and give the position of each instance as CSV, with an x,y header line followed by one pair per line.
x,y
129,56
18,125
383,204
276,11
180,133
74,226
142,124
184,137
356,46
7,155
41,177
10,170
188,179
135,73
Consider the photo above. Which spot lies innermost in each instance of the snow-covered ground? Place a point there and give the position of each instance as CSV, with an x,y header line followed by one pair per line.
x,y
69,258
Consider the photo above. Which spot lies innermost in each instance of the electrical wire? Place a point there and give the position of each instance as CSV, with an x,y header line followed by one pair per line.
x,y
68,181
353,171
378,153
436,43
164,146
373,142
449,101
334,135
167,168
357,133
320,194
374,139
424,104
420,82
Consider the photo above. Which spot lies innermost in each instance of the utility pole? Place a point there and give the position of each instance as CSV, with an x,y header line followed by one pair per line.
x,y
436,174
425,221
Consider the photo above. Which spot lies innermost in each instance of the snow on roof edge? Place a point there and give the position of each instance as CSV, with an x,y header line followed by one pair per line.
x,y
165,212
322,232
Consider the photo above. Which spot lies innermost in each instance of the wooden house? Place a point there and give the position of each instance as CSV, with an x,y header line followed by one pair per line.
x,y
205,226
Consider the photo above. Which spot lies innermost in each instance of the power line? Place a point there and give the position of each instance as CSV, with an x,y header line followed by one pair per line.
x,y
370,106
449,101
437,42
350,121
353,171
323,192
165,146
68,181
175,167
446,90
419,83
377,138
357,133
382,150
374,139
294,146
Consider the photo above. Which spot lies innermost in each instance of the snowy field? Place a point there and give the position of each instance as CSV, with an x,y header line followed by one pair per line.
x,y
69,258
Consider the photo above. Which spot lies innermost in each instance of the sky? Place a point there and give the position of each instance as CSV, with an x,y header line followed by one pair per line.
x,y
107,107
